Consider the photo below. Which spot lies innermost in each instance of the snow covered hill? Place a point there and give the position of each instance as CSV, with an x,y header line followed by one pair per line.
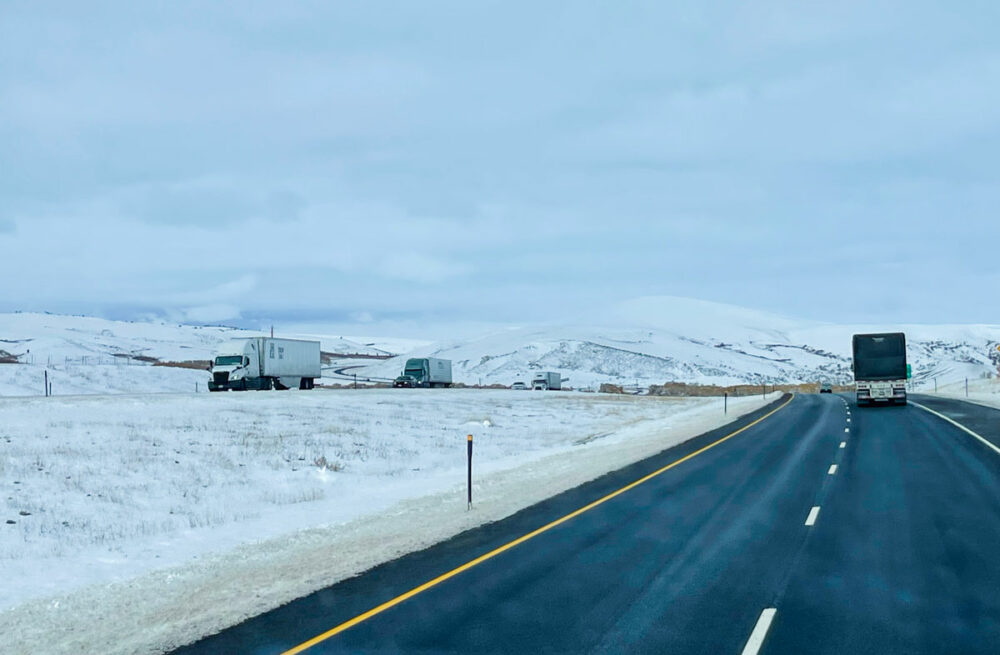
x,y
638,342
658,339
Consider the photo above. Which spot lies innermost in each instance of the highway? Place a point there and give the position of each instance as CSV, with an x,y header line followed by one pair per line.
x,y
821,528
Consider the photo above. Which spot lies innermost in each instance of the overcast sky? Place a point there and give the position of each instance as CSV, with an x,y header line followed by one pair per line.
x,y
427,162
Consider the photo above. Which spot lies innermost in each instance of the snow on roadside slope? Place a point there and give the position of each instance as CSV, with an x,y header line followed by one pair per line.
x,y
981,391
192,496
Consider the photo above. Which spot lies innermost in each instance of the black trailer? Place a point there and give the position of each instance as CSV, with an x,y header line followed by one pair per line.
x,y
880,369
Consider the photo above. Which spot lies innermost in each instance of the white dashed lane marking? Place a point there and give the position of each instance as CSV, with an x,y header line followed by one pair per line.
x,y
756,639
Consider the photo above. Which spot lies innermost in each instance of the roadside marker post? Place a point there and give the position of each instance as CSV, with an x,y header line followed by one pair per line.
x,y
469,441
725,402
46,384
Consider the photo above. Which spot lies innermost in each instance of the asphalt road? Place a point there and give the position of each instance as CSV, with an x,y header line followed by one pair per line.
x,y
901,556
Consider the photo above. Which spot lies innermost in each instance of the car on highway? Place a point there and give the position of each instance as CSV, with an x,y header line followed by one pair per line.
x,y
825,388
519,386
405,381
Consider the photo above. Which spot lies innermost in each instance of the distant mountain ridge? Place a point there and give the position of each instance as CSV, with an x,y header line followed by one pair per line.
x,y
640,342
653,340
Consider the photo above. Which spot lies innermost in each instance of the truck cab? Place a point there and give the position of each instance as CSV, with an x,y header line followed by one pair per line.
x,y
235,363
547,381
425,372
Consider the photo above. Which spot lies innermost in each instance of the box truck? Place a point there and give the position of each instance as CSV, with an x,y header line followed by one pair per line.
x,y
425,372
265,363
880,369
547,381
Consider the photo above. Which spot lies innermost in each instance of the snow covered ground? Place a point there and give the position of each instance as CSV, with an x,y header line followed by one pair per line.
x,y
180,514
982,391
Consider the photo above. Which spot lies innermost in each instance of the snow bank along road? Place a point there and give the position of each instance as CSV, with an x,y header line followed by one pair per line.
x,y
135,524
823,528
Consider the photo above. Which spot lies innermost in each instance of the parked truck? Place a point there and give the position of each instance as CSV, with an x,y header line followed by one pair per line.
x,y
880,369
547,381
425,372
265,363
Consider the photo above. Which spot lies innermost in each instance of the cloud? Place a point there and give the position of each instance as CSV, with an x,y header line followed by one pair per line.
x,y
312,160
210,313
211,205
227,291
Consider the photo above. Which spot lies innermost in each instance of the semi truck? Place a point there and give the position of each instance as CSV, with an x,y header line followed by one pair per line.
x,y
264,363
546,381
880,369
425,372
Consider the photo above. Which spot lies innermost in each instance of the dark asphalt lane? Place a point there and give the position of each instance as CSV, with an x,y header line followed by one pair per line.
x,y
904,557
898,561
984,421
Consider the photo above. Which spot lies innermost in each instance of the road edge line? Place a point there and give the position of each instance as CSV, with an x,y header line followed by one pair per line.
x,y
392,602
958,425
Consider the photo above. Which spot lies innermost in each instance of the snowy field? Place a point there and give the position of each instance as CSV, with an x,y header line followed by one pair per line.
x,y
179,514
75,379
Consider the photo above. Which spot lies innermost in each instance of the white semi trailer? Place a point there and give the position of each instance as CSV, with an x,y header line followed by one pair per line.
x,y
547,381
265,363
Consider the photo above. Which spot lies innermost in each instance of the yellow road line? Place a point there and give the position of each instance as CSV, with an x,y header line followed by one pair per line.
x,y
360,618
